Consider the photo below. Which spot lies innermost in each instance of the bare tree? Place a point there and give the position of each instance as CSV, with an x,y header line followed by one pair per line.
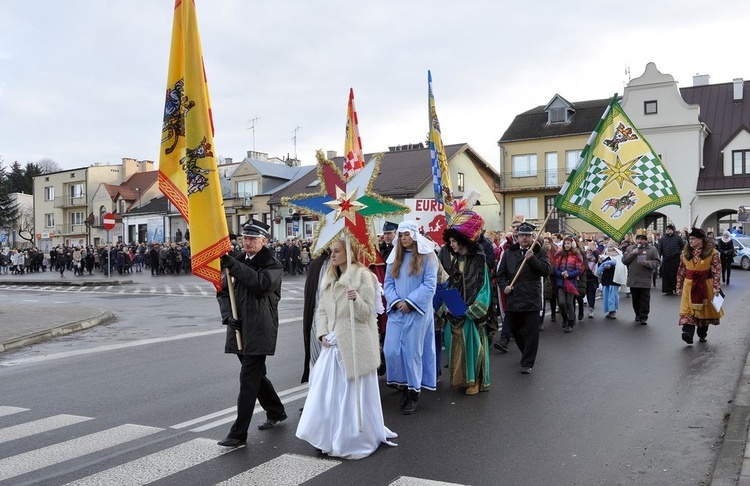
x,y
25,221
48,165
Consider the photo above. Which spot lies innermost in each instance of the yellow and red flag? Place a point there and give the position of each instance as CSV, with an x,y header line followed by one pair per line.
x,y
354,160
188,174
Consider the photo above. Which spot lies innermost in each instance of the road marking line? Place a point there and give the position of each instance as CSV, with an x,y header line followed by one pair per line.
x,y
409,481
257,409
286,470
11,410
27,462
233,410
38,426
168,289
158,465
109,347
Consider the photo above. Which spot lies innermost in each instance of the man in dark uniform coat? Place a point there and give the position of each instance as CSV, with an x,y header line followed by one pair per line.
x,y
389,233
257,285
524,297
670,247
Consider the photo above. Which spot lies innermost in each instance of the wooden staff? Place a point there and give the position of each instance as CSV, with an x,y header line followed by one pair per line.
x,y
233,302
354,334
523,262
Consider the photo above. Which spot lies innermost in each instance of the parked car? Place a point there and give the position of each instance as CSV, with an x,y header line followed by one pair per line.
x,y
742,245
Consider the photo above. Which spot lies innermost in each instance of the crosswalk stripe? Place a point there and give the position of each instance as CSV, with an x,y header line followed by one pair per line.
x,y
168,289
11,410
13,466
409,481
157,465
38,426
286,470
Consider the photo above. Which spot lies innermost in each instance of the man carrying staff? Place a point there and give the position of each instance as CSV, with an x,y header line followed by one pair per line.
x,y
524,296
257,287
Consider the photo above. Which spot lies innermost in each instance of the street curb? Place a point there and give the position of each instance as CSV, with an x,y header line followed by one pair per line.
x,y
728,468
36,337
67,283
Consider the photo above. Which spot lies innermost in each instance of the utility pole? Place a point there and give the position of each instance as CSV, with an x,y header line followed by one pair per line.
x,y
252,127
294,139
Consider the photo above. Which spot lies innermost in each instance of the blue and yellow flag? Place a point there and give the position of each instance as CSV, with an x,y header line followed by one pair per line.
x,y
188,174
619,178
441,176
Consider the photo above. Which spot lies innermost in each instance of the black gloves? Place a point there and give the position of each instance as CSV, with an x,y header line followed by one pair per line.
x,y
234,324
227,261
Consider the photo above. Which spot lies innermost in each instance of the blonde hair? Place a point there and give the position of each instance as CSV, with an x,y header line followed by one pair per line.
x,y
351,259
417,260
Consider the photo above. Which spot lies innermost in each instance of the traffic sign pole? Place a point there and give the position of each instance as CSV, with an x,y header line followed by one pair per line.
x,y
108,221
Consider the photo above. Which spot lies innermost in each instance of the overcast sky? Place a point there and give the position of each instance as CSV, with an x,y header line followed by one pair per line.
x,y
83,81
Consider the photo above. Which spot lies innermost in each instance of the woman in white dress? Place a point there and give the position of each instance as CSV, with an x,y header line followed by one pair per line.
x,y
334,419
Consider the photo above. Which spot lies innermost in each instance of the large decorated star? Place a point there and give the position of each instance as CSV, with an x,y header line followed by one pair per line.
x,y
346,206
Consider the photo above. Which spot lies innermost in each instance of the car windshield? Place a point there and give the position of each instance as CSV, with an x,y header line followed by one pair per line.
x,y
745,241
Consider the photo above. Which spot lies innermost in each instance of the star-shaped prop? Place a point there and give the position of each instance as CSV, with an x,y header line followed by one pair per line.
x,y
345,205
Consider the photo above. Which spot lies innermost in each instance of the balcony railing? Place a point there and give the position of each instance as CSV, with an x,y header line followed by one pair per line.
x,y
70,201
70,229
241,200
539,179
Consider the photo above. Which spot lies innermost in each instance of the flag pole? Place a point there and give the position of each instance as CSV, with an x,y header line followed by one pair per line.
x,y
233,302
523,262
354,335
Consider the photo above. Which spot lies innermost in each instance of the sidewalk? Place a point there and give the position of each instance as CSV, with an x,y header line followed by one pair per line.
x,y
22,325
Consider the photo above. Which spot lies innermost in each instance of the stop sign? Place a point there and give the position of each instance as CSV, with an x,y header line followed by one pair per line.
x,y
108,221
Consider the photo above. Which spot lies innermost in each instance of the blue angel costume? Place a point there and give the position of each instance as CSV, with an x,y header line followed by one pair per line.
x,y
410,337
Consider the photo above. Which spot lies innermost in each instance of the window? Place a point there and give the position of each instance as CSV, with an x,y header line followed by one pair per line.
x,y
523,165
557,115
550,163
247,188
740,162
76,217
571,160
49,220
76,190
528,206
460,182
650,107
49,193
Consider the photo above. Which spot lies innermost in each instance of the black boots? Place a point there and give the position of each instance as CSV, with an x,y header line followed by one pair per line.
x,y
409,399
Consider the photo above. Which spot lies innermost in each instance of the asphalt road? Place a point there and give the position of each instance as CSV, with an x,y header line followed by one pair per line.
x,y
612,403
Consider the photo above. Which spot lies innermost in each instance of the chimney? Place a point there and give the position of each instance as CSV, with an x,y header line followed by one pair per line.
x,y
227,160
331,154
739,84
701,79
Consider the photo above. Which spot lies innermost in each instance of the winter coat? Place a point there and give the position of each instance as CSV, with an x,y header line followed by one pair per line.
x,y
670,246
257,287
333,314
527,291
570,262
640,273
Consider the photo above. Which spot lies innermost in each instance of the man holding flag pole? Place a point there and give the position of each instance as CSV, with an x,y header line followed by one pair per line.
x,y
188,177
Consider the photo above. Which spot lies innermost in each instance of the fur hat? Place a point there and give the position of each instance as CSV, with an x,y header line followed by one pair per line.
x,y
697,233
